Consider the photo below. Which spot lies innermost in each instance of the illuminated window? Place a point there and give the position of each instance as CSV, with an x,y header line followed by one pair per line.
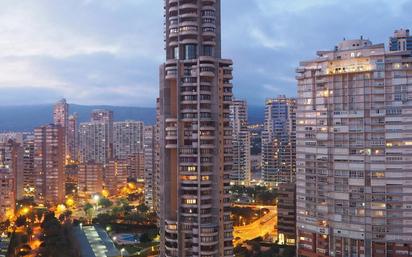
x,y
189,178
190,201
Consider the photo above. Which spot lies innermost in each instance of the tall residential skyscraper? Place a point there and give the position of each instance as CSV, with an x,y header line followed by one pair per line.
x,y
94,142
195,133
115,175
279,141
49,161
29,175
136,166
354,152
156,176
90,178
241,143
286,213
127,138
11,157
400,41
149,165
105,116
7,194
73,137
101,115
61,113
61,118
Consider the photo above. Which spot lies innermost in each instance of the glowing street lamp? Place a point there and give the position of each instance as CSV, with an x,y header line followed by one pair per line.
x,y
96,198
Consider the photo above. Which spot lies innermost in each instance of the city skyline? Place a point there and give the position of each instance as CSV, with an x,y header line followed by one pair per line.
x,y
79,60
300,145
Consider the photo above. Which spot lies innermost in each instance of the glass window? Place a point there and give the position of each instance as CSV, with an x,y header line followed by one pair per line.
x,y
175,52
190,51
208,50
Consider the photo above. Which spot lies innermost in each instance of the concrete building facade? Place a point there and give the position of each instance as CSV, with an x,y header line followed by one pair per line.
x,y
127,138
94,142
90,179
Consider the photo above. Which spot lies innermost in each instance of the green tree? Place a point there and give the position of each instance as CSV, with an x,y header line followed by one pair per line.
x,y
142,208
106,203
105,219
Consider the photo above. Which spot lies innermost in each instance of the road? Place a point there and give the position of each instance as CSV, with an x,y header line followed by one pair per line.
x,y
265,225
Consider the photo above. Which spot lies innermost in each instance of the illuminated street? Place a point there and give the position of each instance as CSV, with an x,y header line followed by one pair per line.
x,y
259,228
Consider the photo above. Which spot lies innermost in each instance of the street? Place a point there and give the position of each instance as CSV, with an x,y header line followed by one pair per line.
x,y
265,225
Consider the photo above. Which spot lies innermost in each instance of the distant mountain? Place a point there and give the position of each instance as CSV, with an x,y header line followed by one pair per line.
x,y
26,118
256,114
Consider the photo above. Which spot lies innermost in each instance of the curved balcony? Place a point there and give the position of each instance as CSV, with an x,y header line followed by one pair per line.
x,y
171,62
209,43
170,137
207,59
171,74
228,76
173,8
172,249
188,6
188,23
189,15
189,33
208,7
208,34
188,93
207,74
171,145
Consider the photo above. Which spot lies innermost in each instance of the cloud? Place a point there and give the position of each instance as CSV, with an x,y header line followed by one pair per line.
x,y
109,51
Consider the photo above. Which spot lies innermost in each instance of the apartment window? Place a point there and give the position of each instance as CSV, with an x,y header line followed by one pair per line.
x,y
208,50
175,52
210,13
190,51
190,201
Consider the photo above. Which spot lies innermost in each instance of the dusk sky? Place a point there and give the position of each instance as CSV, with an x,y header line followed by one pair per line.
x,y
109,51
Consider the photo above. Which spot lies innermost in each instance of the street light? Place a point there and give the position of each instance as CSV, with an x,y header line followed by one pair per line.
x,y
121,251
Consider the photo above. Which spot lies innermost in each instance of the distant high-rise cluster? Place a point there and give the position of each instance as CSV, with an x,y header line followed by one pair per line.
x,y
279,141
354,150
79,159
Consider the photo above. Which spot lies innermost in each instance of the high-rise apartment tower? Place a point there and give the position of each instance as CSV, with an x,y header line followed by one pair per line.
x,y
195,133
354,152
241,143
49,161
279,141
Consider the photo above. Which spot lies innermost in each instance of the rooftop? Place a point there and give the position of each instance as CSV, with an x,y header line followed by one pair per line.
x,y
95,242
